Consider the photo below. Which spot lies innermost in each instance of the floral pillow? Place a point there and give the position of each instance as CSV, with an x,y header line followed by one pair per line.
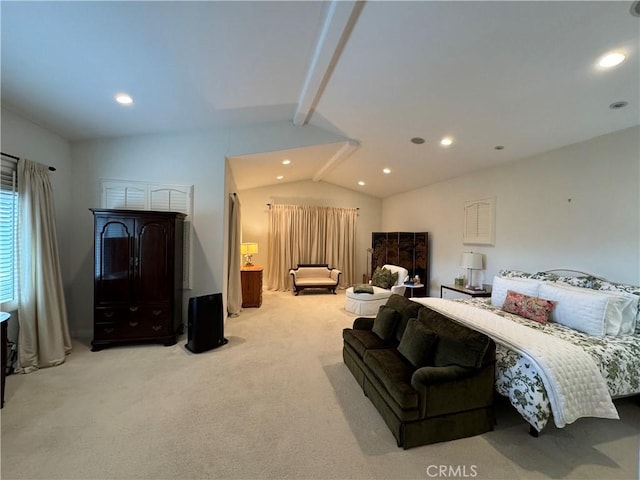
x,y
533,308
384,278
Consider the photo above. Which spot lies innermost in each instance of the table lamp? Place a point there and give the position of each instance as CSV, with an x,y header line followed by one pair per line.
x,y
248,250
471,261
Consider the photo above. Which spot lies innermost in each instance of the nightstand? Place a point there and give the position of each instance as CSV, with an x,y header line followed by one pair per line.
x,y
452,292
251,277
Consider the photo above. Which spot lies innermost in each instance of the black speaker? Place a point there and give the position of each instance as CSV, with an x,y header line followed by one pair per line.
x,y
205,324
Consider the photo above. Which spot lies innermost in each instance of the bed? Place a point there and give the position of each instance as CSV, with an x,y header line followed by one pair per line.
x,y
601,348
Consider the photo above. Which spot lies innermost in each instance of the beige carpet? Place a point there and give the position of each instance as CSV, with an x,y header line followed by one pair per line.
x,y
275,402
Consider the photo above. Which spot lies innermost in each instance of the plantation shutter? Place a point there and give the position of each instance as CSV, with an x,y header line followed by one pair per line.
x,y
8,229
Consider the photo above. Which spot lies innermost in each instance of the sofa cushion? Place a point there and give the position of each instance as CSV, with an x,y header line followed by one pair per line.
x,y
394,373
363,340
457,344
407,309
418,344
385,322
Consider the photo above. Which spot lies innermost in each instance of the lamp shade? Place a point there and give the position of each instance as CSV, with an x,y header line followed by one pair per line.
x,y
248,248
471,260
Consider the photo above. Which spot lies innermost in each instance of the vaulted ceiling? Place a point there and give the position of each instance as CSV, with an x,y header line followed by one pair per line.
x,y
522,75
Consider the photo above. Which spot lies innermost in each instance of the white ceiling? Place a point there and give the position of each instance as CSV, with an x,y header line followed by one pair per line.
x,y
518,74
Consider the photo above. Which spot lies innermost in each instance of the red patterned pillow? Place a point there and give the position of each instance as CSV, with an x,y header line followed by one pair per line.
x,y
533,308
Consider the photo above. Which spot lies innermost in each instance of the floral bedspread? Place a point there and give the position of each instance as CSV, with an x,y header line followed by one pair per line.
x,y
618,359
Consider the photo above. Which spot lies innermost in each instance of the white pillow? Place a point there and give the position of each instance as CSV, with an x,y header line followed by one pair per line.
x,y
622,309
526,286
580,310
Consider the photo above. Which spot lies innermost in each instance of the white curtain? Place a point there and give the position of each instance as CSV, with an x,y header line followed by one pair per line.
x,y
310,234
43,338
234,286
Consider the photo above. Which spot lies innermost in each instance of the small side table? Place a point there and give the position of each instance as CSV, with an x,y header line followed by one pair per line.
x,y
251,278
452,292
415,290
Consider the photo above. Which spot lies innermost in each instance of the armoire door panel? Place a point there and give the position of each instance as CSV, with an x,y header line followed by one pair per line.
x,y
114,260
152,267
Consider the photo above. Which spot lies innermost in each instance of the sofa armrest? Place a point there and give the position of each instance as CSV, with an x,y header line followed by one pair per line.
x,y
363,323
334,273
435,375
444,390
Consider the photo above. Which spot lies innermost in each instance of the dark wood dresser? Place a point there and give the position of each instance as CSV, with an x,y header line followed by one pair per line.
x,y
137,276
251,277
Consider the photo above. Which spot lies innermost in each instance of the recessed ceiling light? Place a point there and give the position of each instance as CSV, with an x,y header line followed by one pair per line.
x,y
499,147
286,161
123,99
386,170
361,183
417,140
279,177
611,59
616,105
446,141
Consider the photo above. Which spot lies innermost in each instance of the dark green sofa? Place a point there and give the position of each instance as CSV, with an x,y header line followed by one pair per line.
x,y
448,395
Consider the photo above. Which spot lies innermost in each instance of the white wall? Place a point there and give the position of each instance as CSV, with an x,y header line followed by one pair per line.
x,y
255,216
576,207
186,159
23,138
195,158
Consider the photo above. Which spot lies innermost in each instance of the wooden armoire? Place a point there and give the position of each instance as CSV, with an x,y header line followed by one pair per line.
x,y
405,249
137,276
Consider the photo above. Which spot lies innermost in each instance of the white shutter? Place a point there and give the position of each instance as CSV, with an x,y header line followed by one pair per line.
x,y
157,197
170,198
8,230
479,222
124,196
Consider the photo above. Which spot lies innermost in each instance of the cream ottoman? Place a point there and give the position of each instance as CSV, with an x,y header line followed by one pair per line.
x,y
366,304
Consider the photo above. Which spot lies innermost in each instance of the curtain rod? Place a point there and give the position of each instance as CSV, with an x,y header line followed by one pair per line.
x,y
53,169
269,205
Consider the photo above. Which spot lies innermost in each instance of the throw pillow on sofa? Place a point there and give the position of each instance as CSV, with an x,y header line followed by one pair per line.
x,y
418,344
384,278
385,322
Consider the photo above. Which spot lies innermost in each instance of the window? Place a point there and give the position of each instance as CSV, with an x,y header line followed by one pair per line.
x,y
479,225
8,230
152,196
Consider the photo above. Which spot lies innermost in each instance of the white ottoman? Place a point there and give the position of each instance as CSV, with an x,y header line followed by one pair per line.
x,y
366,304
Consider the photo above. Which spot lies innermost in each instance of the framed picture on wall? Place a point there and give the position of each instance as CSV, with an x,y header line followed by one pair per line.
x,y
479,222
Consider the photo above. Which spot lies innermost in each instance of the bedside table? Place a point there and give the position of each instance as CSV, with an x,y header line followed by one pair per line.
x,y
452,292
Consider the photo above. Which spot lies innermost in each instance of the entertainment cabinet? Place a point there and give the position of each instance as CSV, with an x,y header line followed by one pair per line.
x,y
138,258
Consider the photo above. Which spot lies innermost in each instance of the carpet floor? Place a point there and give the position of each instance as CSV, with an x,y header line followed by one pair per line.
x,y
275,402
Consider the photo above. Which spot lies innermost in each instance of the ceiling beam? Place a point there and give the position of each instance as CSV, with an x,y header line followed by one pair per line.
x,y
347,149
341,17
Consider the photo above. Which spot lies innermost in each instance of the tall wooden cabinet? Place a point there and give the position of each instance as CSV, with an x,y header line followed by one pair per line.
x,y
405,249
137,276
